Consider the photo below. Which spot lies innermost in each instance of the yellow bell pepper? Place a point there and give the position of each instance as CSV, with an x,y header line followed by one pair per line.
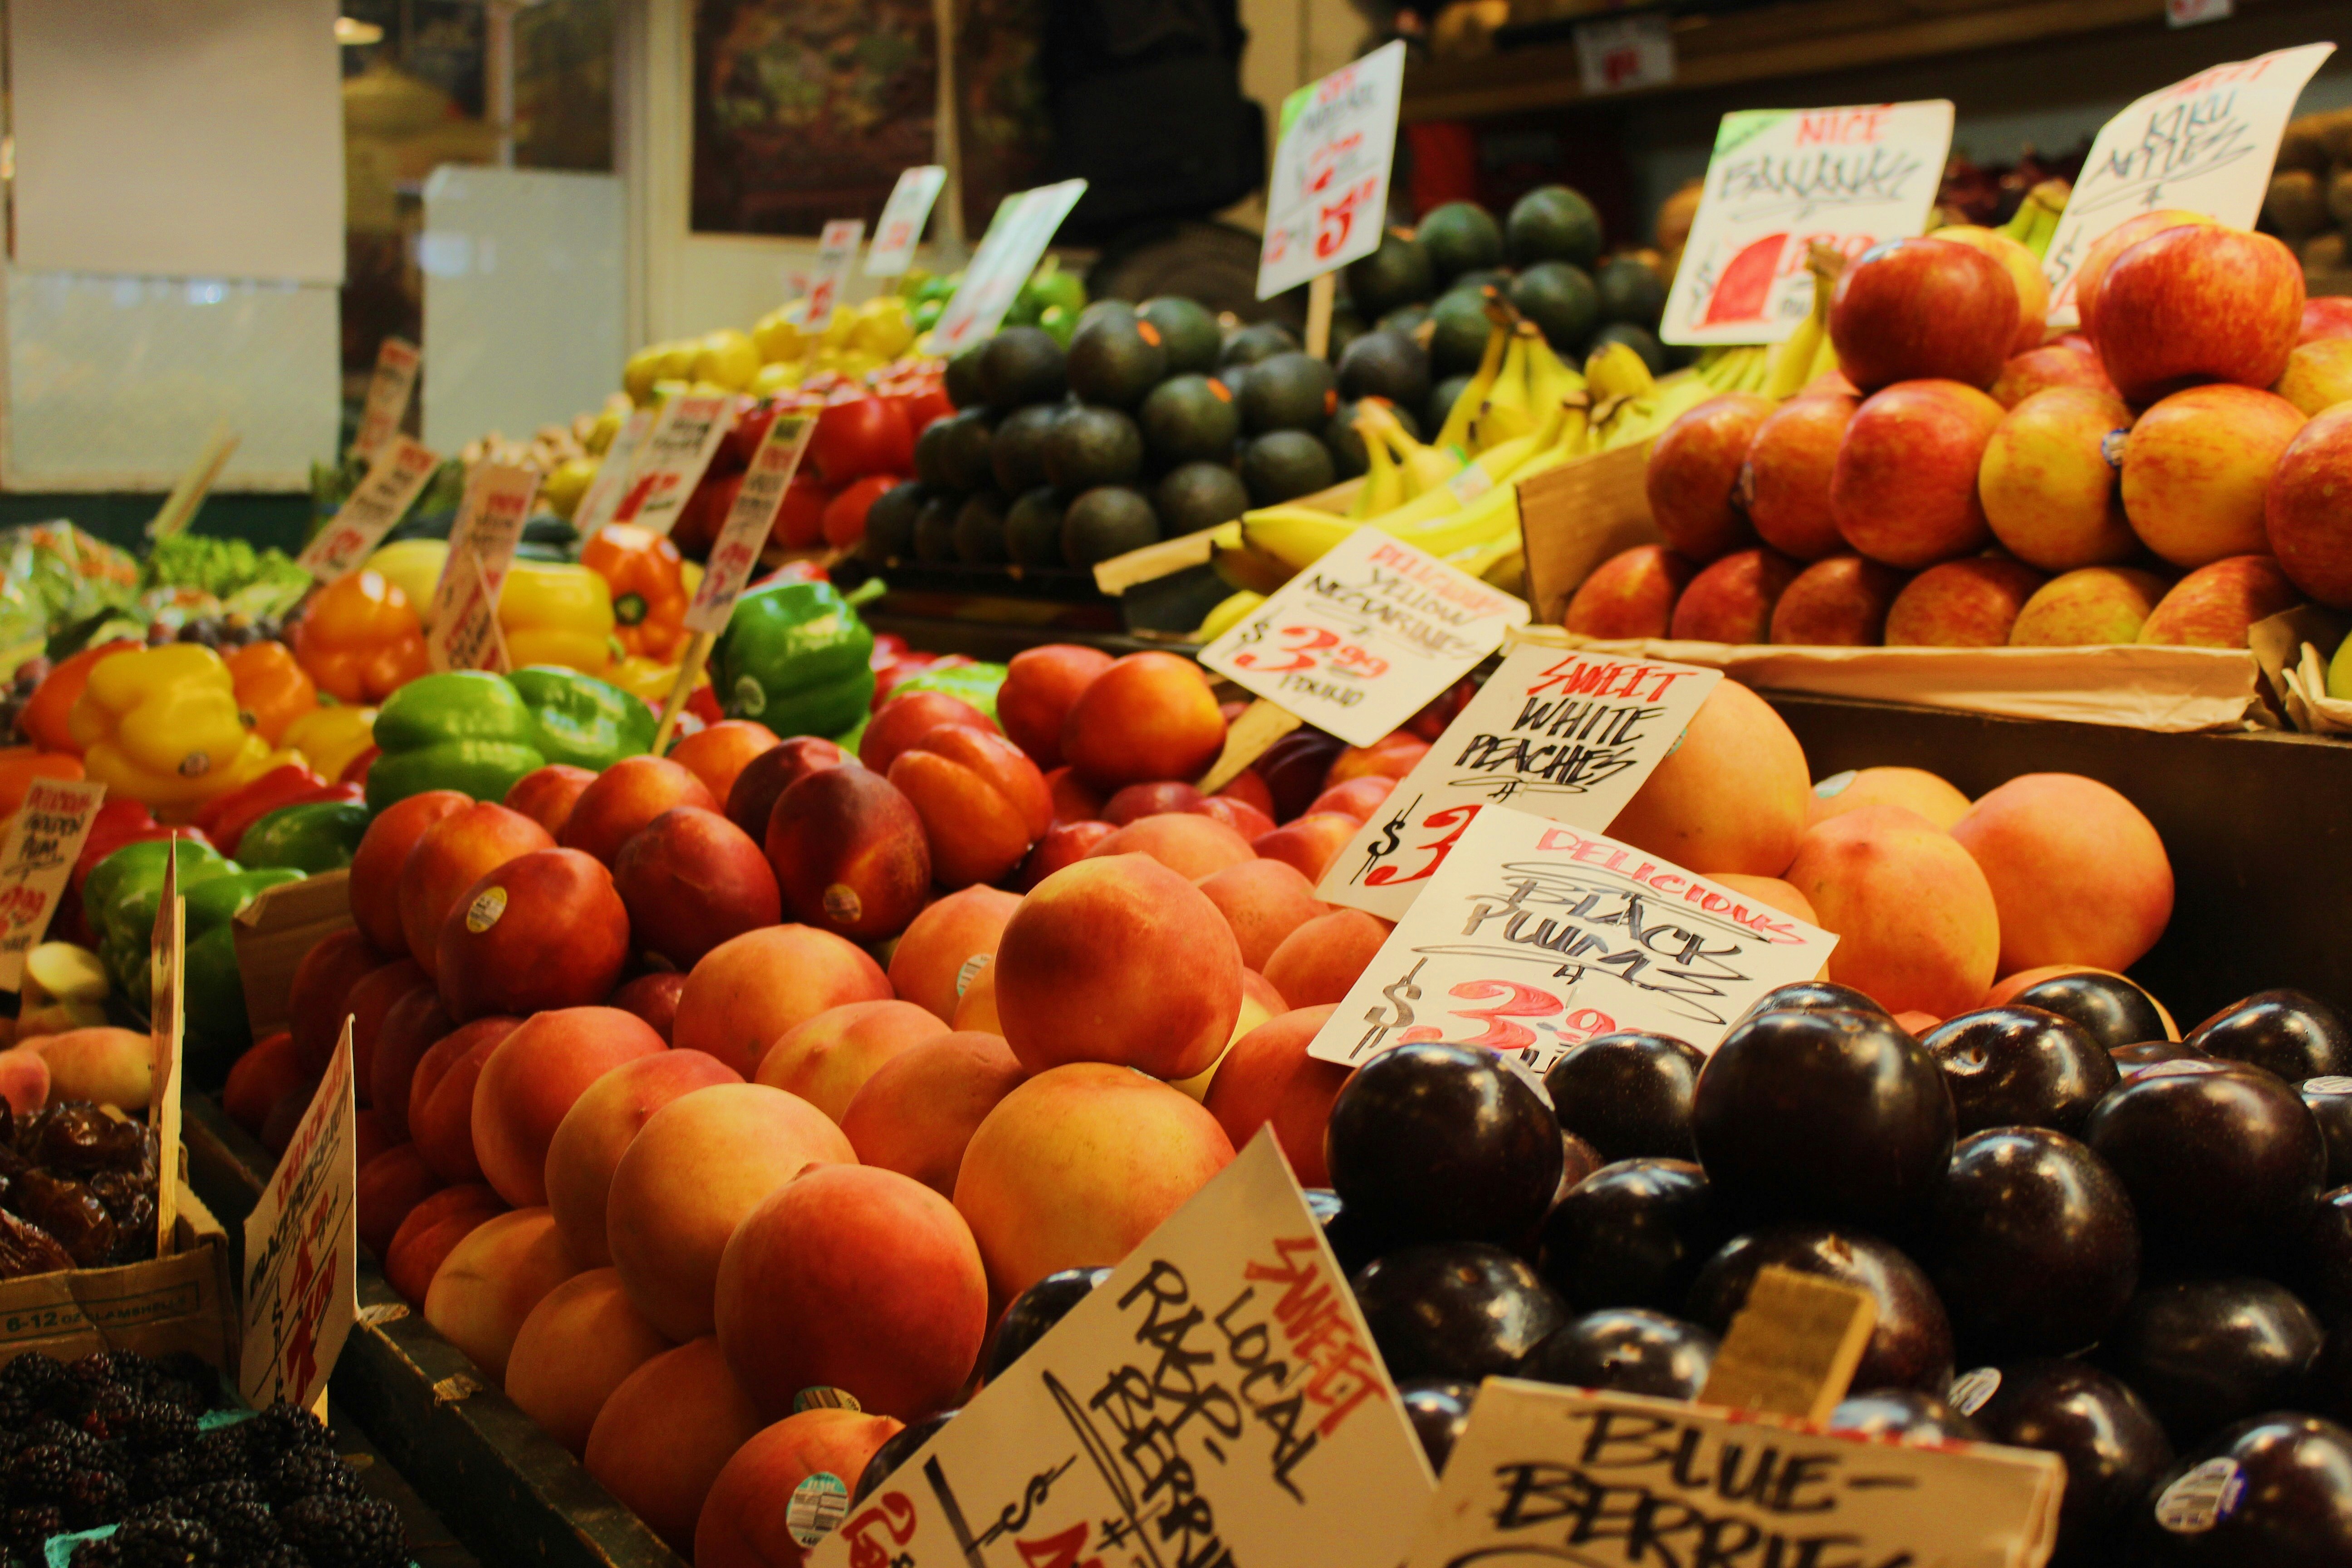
x,y
553,614
332,738
646,678
413,565
160,725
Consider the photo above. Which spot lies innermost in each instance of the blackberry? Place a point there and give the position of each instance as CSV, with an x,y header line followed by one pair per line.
x,y
39,1475
25,1527
93,1498
346,1531
38,1380
95,1554
217,1455
235,1512
166,1544
307,1472
145,1422
281,1430
279,1556
186,1379
163,1476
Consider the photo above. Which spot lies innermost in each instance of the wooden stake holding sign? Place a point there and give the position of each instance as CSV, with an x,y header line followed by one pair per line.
x,y
167,950
180,507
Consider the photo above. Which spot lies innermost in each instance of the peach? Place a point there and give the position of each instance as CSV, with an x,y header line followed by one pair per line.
x,y
2195,303
691,879
1074,800
2097,605
901,722
976,1008
255,1083
1118,958
695,1169
486,1287
2196,467
1915,789
1693,467
2079,874
1041,686
1137,801
1263,902
1192,846
1786,481
432,1231
1149,716
369,1138
599,1127
1268,1076
1732,600
284,1117
448,857
2024,270
752,801
827,1059
928,966
853,1278
1914,917
2214,606
1077,1167
665,1434
2091,275
1840,601
626,796
2318,375
384,849
2304,513
547,795
1064,844
1241,815
1973,603
545,930
371,1001
1257,988
1309,844
24,1080
580,1343
850,853
441,1096
409,1029
2048,484
1316,963
1393,755
748,991
750,1520
1358,797
1782,895
1904,491
1731,797
533,1078
653,997
2049,366
388,1187
718,754
920,1109
1630,595
105,1064
322,984
981,801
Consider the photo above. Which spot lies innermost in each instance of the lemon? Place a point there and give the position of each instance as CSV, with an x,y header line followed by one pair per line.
x,y
677,363
855,363
885,328
563,489
643,369
838,326
728,358
777,375
778,337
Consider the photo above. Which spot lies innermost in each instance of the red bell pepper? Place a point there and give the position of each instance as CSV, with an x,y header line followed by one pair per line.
x,y
228,831
845,514
116,824
226,816
800,516
741,442
355,771
865,435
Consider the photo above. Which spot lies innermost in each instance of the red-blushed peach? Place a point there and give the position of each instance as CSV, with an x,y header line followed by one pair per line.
x,y
1785,482
580,1343
1973,603
1074,800
827,1059
1914,917
2318,375
748,1519
1263,902
388,1187
1192,846
1731,601
1782,895
1915,789
322,984
976,1008
441,1096
1077,1167
544,931
1392,756
2097,605
748,991
1149,716
432,1231
1630,595
983,802
2304,511
602,1123
2196,303
547,795
1839,601
1041,684
1358,798
24,1080
369,1138
920,1108
2196,467
1238,814
1318,961
1692,469
2092,274
2214,606
533,1078
1256,988
1904,490
902,720
665,1434
375,865
765,777
448,857
1138,801
2079,874
1916,1023
928,962
2050,365
625,798
2005,990
1309,844
1118,958
691,879
718,754
1250,787
695,1169
485,1288
850,853
1731,797
372,999
653,997
1268,1076
254,1080
2024,270
854,1278
2048,485
1064,844
409,1029
107,1066
1260,1004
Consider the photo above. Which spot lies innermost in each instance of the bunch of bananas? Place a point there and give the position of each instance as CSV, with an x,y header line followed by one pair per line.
x,y
2035,222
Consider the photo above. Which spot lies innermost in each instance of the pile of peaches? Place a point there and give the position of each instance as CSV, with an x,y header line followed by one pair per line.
x,y
2171,473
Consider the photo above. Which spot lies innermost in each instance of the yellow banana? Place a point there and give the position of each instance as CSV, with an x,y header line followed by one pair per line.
x,y
1644,416
1550,379
1478,559
1455,432
1507,411
1383,487
1295,538
1616,370
1229,612
1421,467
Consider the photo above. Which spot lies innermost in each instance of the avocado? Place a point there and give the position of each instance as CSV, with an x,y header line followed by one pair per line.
x,y
1287,392
1198,496
1552,223
1115,360
961,381
1405,318
1442,399
1284,465
1385,364
1398,273
1189,418
1346,328
963,449
1461,236
1460,340
935,528
1187,331
1016,454
1107,520
1630,293
980,530
1105,309
931,459
1032,528
1020,365
890,522
1089,447
1561,300
1348,458
1643,341
1259,340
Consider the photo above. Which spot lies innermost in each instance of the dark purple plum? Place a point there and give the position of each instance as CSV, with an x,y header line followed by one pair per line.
x,y
2020,1067
2322,1260
2035,1248
1577,1160
2112,1446
1836,1117
1911,1347
900,1447
2329,1388
1627,1349
2330,1099
2206,1353
1437,1408
1813,996
2113,1010
1036,1310
1633,1235
1906,1413
2133,1060
1460,1310
2289,1033
1435,1143
2274,1491
1628,1094
1350,1240
2221,1160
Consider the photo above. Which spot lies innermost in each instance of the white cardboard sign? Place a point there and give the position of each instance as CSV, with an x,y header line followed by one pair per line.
x,y
1533,937
397,477
903,218
1328,199
1783,179
1366,637
749,522
2206,145
389,390
612,474
301,1251
481,547
679,447
837,252
43,840
1016,239
1217,1400
1565,736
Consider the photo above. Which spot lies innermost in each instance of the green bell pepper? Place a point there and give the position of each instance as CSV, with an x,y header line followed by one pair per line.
x,y
133,862
796,658
320,835
131,900
465,730
585,721
217,1027
221,900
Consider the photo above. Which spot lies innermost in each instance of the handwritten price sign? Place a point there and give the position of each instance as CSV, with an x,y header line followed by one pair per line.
x,y
1783,179
389,390
301,1251
836,250
1364,638
44,838
612,473
1565,736
1024,226
1330,194
481,547
749,522
394,480
684,437
903,217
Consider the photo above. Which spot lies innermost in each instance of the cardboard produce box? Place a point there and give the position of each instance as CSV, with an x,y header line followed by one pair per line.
x,y
181,1302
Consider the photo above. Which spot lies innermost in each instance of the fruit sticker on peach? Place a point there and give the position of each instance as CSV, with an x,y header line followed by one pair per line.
x,y
1366,637
1216,1400
1568,736
684,438
43,840
749,522
397,477
301,1251
1784,180
903,217
2203,145
1533,937
481,547
1329,197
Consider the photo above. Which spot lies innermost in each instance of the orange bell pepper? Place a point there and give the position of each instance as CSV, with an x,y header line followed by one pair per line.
x,y
20,765
43,718
647,576
273,690
361,639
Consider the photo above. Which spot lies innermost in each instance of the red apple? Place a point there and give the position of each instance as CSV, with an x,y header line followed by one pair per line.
x,y
2198,303
1785,482
1732,601
2091,275
2330,316
1905,492
1693,471
2309,516
1630,595
2052,364
1923,310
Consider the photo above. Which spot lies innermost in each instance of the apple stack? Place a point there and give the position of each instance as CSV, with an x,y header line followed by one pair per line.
x,y
2171,474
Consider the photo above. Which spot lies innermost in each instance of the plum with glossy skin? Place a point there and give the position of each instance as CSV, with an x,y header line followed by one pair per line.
x,y
2021,1067
1628,1349
2115,1011
2035,1248
902,1445
1911,1345
2112,1446
2295,1508
2330,1101
1036,1310
2322,1260
2206,1353
1633,1234
2289,1033
2222,1161
1463,1310
2134,1060
1628,1094
1814,996
1438,1143
1905,1415
1438,1409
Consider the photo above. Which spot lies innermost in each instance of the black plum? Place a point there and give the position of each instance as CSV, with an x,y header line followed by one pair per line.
x,y
1437,1142
1460,1310
1814,996
1633,1235
1831,1116
1036,1310
1903,1413
2111,1445
2322,1260
2132,1059
896,1450
2328,1391
1627,1349
1577,1160
1438,1408
1910,1347
1628,1094
2036,1247
2111,1008
1351,1240
2330,1099
2020,1067
2205,1352
2289,1033
2222,1161
2274,1491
